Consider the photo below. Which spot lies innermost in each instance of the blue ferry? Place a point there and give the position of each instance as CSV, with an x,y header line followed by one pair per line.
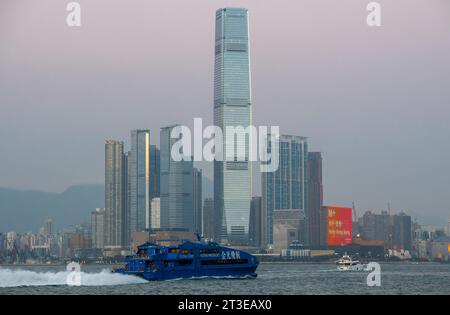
x,y
189,260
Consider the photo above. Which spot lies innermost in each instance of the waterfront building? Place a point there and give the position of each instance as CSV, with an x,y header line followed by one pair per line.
x,y
114,193
402,231
286,188
208,218
154,171
315,196
232,108
256,222
98,227
440,249
376,226
176,186
139,177
197,199
286,227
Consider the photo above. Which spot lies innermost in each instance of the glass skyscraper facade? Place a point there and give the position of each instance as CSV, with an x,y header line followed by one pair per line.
x,y
315,196
154,171
114,193
232,108
197,199
286,188
139,177
176,186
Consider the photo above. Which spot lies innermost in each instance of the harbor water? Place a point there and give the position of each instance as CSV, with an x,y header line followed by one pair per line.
x,y
273,278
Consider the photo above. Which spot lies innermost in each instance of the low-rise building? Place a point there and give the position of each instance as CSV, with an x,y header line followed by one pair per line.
x,y
440,248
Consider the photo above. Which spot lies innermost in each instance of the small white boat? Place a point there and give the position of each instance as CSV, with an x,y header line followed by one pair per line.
x,y
346,263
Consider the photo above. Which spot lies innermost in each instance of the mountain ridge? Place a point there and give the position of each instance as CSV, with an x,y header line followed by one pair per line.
x,y
26,210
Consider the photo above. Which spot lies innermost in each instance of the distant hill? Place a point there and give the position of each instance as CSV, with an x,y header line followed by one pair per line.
x,y
24,210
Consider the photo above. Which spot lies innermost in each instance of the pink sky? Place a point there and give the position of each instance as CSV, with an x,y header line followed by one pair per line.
x,y
374,101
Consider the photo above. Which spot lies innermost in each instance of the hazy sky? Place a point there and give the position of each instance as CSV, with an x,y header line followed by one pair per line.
x,y
376,102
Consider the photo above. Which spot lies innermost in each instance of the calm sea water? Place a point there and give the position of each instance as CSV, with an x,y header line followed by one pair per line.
x,y
273,278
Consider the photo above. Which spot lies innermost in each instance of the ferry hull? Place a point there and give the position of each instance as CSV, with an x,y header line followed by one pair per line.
x,y
226,273
189,260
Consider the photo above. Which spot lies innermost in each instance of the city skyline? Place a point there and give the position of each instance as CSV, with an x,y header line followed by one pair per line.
x,y
162,148
375,131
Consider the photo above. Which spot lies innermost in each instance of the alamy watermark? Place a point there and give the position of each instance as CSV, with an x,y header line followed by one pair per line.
x,y
374,17
73,18
374,277
234,144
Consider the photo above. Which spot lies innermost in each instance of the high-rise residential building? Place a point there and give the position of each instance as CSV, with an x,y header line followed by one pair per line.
x,y
256,222
315,196
402,231
126,235
232,108
11,238
376,226
176,186
286,188
156,213
48,227
154,171
394,230
197,199
139,177
98,227
208,218
114,196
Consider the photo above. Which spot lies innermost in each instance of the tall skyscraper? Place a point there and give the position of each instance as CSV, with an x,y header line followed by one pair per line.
x,y
402,228
98,227
286,188
315,196
208,218
232,108
197,199
126,198
114,197
176,186
139,178
154,171
256,222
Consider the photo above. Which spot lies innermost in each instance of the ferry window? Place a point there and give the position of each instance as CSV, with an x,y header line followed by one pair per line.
x,y
209,251
187,252
224,262
142,252
174,250
183,262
